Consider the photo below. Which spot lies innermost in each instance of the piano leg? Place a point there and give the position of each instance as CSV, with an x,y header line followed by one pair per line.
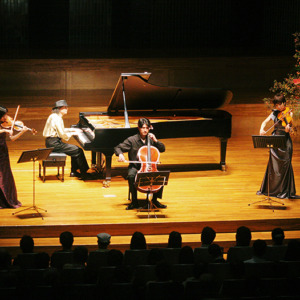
x,y
108,167
223,147
98,161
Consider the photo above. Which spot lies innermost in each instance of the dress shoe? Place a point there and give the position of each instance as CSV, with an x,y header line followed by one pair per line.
x,y
158,204
74,174
132,206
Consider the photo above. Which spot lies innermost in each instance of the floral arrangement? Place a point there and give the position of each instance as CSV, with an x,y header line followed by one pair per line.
x,y
290,86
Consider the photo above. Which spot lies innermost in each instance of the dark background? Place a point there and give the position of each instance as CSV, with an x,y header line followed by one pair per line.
x,y
147,28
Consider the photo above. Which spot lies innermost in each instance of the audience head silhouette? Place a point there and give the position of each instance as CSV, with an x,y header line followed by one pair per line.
x,y
186,255
138,241
243,236
66,239
277,236
259,248
216,252
26,244
207,236
103,240
114,258
175,240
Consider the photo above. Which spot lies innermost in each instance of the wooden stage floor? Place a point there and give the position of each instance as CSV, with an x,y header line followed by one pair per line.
x,y
197,195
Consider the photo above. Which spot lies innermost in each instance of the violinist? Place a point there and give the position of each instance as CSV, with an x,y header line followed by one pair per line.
x,y
8,191
55,132
282,183
132,146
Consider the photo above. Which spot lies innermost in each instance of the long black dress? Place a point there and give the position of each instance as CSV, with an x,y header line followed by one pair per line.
x,y
8,191
282,182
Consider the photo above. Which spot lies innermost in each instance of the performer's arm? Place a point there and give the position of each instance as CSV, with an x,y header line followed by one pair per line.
x,y
121,148
264,123
16,136
159,145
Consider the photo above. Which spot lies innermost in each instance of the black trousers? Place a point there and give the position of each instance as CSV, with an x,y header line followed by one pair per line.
x,y
78,160
132,187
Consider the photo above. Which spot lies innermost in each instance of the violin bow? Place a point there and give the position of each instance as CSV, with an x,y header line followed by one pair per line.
x,y
15,117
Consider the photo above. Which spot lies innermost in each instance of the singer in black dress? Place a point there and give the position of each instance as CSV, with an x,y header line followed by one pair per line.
x,y
282,182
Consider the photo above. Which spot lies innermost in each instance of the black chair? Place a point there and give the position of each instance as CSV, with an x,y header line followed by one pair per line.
x,y
201,256
171,255
143,273
180,272
260,270
195,289
121,291
220,271
275,253
164,291
25,260
60,258
97,259
239,253
73,275
136,257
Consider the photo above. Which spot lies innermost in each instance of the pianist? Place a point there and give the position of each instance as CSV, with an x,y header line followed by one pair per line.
x,y
132,146
55,131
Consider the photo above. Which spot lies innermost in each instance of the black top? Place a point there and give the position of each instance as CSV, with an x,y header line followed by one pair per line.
x,y
132,146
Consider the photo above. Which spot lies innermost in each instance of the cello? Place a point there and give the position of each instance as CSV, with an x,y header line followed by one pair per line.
x,y
149,158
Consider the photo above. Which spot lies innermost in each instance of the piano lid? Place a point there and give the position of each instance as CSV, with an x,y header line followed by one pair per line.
x,y
142,95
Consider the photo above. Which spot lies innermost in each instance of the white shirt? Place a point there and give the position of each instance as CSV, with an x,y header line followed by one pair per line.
x,y
55,127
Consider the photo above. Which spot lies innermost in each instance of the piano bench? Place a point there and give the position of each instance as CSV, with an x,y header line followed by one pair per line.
x,y
54,160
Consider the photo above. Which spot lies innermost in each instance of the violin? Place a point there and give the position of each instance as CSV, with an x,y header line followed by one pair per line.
x,y
149,158
18,125
286,119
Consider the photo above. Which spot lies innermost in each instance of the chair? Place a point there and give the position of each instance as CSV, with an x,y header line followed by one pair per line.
x,y
196,289
220,271
136,257
201,256
97,259
143,273
60,258
164,291
275,253
239,253
25,260
79,291
234,288
54,160
171,255
73,275
121,291
260,270
180,272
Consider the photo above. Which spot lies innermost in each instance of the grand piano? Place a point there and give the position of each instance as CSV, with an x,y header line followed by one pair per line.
x,y
175,112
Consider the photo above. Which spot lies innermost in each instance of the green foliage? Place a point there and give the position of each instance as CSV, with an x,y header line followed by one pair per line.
x,y
288,87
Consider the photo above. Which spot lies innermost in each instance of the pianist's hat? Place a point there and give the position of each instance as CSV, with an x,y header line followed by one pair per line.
x,y
60,103
104,237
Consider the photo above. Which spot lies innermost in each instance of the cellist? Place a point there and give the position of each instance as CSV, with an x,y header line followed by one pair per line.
x,y
132,145
282,183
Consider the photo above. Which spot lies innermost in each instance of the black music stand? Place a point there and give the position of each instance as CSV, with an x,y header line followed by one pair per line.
x,y
34,155
151,179
272,141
